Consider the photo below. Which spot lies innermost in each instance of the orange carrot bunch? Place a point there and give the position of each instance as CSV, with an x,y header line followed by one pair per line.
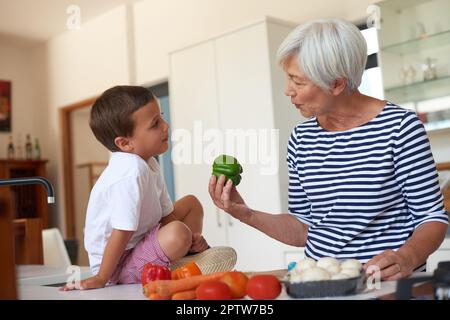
x,y
181,289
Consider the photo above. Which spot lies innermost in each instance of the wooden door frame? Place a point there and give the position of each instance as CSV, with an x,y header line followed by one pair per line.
x,y
8,283
67,156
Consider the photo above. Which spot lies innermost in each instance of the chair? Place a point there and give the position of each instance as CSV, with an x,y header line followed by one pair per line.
x,y
55,252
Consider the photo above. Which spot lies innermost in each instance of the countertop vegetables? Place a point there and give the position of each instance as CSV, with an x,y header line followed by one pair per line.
x,y
263,287
188,270
152,272
229,167
326,268
213,290
166,288
237,281
219,285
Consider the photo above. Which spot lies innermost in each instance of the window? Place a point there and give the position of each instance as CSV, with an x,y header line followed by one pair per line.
x,y
371,84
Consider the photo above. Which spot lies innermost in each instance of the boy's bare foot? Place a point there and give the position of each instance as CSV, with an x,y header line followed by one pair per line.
x,y
199,243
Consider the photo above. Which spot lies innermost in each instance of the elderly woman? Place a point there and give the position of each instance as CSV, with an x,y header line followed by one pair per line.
x,y
362,179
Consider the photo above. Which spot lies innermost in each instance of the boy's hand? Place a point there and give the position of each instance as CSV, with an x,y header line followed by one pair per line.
x,y
199,243
94,282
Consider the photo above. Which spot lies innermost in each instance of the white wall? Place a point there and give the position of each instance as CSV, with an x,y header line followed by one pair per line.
x,y
440,145
16,66
86,149
160,29
83,63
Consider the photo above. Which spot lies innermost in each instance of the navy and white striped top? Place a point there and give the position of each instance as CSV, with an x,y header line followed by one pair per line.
x,y
363,190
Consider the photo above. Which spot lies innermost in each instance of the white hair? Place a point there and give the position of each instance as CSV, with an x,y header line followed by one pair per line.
x,y
326,51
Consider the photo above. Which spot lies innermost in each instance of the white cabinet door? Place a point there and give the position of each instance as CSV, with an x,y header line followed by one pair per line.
x,y
245,104
194,111
226,84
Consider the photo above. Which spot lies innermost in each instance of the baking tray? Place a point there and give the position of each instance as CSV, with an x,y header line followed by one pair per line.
x,y
326,288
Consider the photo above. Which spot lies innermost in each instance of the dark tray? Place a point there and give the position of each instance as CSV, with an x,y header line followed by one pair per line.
x,y
326,288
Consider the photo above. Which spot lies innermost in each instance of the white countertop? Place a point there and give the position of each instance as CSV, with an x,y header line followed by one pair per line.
x,y
45,275
120,292
134,292
34,281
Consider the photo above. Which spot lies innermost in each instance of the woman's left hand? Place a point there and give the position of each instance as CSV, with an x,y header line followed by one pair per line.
x,y
393,265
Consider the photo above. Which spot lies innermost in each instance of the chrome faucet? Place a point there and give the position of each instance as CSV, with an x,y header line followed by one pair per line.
x,y
31,180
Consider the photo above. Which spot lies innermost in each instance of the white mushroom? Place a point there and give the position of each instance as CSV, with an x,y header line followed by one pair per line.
x,y
351,272
334,269
314,274
304,264
351,264
326,262
295,277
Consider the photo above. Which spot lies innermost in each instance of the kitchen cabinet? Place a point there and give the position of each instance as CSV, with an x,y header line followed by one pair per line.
x,y
441,254
25,201
227,97
414,55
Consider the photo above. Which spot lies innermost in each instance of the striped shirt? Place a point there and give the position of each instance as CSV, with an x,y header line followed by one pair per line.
x,y
363,190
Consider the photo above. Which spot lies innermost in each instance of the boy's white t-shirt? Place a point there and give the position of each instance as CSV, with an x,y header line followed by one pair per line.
x,y
130,194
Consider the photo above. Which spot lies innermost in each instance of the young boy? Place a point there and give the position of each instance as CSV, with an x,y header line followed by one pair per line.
x,y
130,218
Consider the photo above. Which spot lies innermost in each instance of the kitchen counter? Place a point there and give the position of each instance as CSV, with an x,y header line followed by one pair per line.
x,y
134,292
44,275
38,282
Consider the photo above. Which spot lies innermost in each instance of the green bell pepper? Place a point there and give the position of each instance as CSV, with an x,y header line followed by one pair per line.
x,y
229,167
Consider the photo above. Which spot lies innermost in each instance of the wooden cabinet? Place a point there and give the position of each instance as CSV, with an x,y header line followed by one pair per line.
x,y
227,97
27,201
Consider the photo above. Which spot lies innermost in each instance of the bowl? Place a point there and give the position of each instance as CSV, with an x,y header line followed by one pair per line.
x,y
326,288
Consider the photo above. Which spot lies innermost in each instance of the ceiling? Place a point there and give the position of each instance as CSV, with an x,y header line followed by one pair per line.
x,y
25,22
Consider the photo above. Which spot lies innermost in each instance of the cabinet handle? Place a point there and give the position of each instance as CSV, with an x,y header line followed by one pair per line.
x,y
219,224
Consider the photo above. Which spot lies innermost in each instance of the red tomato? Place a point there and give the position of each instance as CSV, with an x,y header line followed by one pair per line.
x,y
153,272
213,290
263,287
237,281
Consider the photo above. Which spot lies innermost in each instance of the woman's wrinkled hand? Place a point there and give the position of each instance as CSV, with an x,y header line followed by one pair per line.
x,y
393,265
227,198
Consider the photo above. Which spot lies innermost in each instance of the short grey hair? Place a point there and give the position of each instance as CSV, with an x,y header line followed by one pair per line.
x,y
326,51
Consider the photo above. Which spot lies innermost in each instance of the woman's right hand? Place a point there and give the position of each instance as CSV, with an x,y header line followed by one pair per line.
x,y
227,198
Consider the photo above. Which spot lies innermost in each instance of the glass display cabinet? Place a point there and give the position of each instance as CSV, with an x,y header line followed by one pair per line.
x,y
414,56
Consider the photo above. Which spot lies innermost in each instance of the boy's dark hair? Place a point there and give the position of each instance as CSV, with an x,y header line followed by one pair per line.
x,y
111,113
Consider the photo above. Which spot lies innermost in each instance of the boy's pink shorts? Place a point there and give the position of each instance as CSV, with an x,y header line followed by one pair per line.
x,y
133,260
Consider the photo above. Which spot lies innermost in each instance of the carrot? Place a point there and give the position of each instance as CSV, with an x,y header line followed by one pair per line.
x,y
184,295
169,287
155,296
